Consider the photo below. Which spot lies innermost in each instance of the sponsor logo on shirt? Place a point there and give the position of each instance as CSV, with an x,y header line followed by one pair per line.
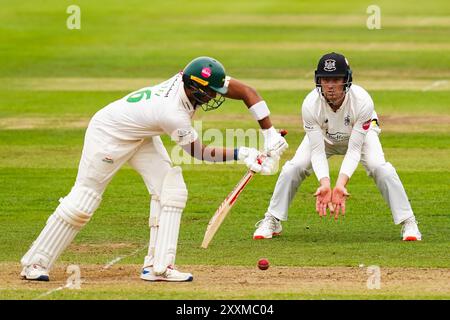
x,y
108,160
338,136
172,85
183,133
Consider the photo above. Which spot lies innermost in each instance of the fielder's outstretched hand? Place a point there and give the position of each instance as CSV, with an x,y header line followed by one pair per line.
x,y
323,200
339,195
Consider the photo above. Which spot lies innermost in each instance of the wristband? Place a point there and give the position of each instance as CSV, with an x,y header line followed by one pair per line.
x,y
236,153
259,110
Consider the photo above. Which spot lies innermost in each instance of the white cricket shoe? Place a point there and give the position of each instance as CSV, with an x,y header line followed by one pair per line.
x,y
410,231
34,272
267,227
170,275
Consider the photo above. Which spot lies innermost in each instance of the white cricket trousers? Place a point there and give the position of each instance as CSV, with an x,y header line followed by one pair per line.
x,y
104,155
372,158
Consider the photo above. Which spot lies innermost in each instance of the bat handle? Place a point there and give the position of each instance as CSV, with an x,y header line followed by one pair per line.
x,y
261,158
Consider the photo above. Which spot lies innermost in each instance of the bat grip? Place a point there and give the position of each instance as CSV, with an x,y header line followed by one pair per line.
x,y
261,158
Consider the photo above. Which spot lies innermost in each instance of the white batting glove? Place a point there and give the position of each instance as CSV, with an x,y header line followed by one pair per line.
x,y
274,143
250,158
269,166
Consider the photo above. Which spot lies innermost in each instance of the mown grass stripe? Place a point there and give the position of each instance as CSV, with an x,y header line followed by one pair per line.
x,y
118,84
331,20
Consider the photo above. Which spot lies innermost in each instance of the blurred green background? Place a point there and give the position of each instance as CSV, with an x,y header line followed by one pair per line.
x,y
52,80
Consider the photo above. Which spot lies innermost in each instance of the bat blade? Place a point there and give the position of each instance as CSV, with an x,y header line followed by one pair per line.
x,y
214,225
224,209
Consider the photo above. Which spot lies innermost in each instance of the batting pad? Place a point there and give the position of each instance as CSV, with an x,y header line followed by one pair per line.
x,y
79,205
174,192
153,222
73,212
173,201
167,239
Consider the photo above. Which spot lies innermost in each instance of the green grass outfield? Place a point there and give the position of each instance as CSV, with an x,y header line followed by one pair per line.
x,y
45,105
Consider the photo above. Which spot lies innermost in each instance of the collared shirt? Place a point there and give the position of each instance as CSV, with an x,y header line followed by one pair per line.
x,y
346,126
150,111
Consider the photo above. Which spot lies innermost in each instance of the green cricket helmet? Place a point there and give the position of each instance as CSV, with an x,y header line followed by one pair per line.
x,y
205,73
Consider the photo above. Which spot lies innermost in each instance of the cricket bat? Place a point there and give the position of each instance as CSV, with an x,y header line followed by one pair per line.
x,y
227,204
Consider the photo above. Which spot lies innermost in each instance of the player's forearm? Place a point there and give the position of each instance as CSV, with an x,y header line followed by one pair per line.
x,y
265,123
353,154
325,182
342,180
318,156
210,154
214,154
218,154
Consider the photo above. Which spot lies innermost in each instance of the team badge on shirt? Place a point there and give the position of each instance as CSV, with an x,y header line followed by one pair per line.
x,y
184,136
366,125
346,120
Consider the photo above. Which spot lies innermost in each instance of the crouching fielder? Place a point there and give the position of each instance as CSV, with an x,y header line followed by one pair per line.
x,y
127,131
338,118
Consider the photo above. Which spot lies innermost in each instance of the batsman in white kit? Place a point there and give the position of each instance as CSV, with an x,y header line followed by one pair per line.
x,y
127,131
339,119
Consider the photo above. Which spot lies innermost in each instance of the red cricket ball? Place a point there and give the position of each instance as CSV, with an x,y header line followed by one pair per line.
x,y
263,264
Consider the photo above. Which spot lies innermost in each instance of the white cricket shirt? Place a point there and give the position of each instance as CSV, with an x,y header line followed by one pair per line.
x,y
347,126
150,111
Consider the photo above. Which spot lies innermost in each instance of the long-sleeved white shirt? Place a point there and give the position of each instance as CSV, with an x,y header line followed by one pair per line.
x,y
347,126
150,111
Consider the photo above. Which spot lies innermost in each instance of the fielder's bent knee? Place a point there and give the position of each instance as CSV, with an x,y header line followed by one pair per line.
x,y
293,170
77,207
372,167
384,170
174,192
